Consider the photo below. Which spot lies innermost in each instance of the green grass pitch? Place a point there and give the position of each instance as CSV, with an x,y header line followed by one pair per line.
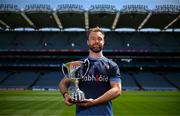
x,y
131,103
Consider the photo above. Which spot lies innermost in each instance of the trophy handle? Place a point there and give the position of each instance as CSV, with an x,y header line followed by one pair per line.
x,y
64,66
88,63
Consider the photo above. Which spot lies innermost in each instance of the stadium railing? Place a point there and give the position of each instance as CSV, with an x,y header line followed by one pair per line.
x,y
70,8
38,8
167,9
135,9
103,8
9,8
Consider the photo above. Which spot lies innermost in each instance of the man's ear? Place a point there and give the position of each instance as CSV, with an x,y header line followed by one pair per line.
x,y
87,42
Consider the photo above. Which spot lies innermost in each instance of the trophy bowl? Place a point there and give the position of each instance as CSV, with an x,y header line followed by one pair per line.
x,y
76,70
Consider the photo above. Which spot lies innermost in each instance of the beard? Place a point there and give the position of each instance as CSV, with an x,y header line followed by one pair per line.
x,y
96,48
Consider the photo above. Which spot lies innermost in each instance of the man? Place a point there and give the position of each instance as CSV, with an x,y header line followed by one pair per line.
x,y
101,84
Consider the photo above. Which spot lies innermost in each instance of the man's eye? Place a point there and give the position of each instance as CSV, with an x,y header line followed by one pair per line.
x,y
99,39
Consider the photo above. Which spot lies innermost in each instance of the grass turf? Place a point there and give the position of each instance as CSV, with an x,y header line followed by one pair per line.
x,y
164,103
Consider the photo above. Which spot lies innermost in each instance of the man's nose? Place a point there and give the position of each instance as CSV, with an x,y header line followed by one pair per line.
x,y
96,40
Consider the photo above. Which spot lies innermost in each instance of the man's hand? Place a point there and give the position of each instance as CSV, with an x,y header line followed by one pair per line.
x,y
68,100
87,103
112,93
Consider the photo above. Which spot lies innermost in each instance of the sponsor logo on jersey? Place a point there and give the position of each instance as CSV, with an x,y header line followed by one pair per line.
x,y
98,78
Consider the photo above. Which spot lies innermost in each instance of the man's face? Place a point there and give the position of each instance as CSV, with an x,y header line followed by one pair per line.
x,y
96,41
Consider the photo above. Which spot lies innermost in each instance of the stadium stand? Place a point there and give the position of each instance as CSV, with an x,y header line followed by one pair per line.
x,y
19,80
4,75
48,80
6,40
152,42
31,58
44,40
152,81
34,50
128,41
128,82
148,63
27,41
173,78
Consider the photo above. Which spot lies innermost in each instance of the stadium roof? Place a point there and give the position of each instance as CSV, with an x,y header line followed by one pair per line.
x,y
110,14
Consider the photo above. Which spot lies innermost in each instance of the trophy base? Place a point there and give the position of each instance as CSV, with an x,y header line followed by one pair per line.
x,y
78,96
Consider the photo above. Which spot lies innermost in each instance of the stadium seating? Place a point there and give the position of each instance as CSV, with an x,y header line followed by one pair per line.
x,y
148,63
4,75
6,40
173,77
48,80
36,38
152,42
27,53
38,41
128,82
131,80
19,80
152,81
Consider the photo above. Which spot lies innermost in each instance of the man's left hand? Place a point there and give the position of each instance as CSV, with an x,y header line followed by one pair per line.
x,y
87,103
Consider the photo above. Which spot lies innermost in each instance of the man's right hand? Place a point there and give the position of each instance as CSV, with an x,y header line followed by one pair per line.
x,y
68,100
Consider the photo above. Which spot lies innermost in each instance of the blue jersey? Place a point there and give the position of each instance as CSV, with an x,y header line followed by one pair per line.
x,y
102,71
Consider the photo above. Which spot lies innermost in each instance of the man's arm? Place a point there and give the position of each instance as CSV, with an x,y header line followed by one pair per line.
x,y
64,91
63,85
114,92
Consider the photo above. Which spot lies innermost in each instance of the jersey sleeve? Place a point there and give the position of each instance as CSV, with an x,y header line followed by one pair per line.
x,y
115,74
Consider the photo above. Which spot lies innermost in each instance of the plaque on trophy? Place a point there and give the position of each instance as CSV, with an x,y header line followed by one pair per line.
x,y
76,70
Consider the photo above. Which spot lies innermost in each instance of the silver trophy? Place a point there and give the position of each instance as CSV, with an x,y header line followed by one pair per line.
x,y
76,70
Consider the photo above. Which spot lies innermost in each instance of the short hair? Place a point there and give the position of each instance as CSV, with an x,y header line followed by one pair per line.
x,y
95,29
